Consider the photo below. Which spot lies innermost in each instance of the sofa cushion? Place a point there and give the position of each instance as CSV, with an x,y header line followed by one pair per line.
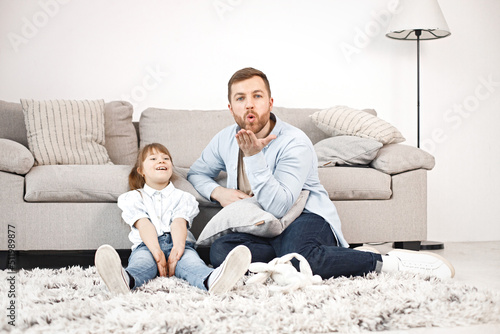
x,y
247,216
66,132
184,132
355,183
394,159
121,136
342,120
12,125
76,183
299,117
15,158
346,150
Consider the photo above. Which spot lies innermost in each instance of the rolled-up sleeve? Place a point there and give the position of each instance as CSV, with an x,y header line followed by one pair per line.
x,y
278,188
132,206
207,167
187,209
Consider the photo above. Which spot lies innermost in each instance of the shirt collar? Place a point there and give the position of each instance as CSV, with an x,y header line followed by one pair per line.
x,y
278,125
165,191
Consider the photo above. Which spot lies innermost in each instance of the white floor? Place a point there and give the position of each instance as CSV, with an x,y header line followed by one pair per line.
x,y
477,264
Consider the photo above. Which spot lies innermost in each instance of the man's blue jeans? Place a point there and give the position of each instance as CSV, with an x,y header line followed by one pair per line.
x,y
142,265
309,235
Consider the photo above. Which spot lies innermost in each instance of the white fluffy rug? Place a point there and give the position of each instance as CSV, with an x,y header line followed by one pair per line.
x,y
75,300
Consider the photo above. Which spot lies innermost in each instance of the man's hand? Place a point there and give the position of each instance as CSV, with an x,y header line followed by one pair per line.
x,y
227,196
250,144
161,262
173,258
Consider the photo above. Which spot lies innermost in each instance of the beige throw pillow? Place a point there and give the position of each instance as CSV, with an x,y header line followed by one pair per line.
x,y
247,216
342,120
66,132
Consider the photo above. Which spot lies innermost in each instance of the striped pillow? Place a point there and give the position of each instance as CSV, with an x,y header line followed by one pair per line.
x,y
342,121
65,132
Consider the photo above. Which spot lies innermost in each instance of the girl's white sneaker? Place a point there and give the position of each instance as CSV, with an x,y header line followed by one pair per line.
x,y
109,266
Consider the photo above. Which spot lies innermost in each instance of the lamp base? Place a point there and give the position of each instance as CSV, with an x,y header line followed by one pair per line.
x,y
431,245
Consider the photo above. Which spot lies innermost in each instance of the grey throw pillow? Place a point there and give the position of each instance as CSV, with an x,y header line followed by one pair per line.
x,y
15,157
346,150
121,136
247,216
395,159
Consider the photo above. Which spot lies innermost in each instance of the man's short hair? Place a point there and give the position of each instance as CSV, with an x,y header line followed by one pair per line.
x,y
244,74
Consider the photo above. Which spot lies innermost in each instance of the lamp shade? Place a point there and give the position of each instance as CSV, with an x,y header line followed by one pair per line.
x,y
418,15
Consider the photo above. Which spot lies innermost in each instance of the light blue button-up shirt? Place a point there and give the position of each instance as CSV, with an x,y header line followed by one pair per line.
x,y
277,174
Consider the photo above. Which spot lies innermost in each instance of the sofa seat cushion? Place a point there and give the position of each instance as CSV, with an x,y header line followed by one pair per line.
x,y
76,183
355,183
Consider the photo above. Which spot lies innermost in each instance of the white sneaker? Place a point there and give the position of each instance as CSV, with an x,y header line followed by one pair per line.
x,y
109,266
224,277
423,262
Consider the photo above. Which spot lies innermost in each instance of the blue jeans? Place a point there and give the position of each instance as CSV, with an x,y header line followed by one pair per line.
x,y
142,265
309,235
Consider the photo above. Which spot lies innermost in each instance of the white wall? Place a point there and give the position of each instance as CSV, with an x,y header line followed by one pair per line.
x,y
180,54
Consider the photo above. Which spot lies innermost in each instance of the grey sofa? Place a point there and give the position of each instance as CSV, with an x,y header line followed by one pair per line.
x,y
72,208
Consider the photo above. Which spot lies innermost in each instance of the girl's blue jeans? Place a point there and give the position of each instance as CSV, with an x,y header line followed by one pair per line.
x,y
310,236
142,265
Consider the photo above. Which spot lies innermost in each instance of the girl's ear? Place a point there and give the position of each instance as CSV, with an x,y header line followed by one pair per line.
x,y
139,171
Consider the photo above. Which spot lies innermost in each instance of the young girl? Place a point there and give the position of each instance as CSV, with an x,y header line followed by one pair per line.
x,y
159,216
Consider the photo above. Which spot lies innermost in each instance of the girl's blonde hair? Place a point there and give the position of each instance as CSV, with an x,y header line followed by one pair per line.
x,y
135,179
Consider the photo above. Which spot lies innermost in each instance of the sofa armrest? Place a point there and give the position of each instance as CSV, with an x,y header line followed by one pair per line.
x,y
15,157
398,158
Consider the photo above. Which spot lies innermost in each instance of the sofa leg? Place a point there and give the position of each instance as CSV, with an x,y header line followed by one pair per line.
x,y
410,245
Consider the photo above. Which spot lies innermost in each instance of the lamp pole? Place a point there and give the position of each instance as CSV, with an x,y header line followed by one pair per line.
x,y
418,32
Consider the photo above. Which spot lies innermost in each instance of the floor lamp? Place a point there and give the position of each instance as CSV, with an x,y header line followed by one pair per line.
x,y
419,20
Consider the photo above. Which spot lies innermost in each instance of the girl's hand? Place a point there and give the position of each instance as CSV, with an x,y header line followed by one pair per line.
x,y
161,262
173,258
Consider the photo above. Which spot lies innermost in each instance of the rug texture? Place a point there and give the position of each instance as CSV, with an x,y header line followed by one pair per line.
x,y
75,300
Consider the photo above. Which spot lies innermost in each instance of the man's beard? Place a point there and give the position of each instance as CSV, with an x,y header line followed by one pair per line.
x,y
256,126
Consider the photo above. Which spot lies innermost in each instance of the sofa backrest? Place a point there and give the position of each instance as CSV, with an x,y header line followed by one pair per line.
x,y
12,122
187,132
121,138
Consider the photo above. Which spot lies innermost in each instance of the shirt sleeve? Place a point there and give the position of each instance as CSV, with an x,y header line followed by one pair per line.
x,y
277,190
186,208
206,168
132,206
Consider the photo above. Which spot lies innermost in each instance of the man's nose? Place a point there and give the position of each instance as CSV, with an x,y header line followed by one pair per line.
x,y
250,103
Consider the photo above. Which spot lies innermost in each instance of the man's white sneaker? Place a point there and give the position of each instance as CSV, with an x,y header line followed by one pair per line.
x,y
109,266
224,277
422,262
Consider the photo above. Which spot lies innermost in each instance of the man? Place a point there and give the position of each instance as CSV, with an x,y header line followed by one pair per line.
x,y
274,161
